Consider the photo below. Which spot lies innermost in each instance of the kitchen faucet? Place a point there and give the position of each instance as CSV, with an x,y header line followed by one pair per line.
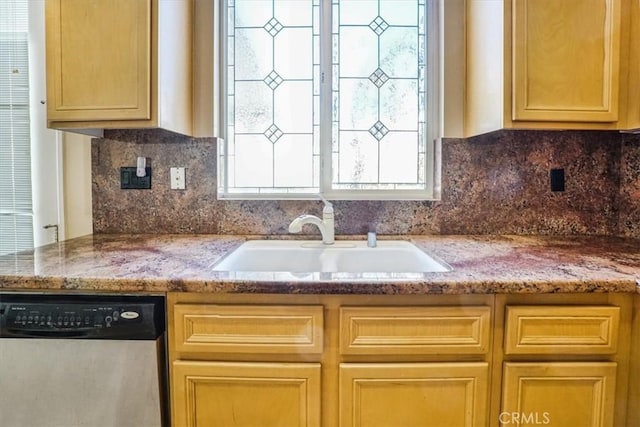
x,y
326,224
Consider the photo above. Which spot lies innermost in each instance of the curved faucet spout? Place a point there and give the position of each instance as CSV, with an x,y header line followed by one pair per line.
x,y
325,225
296,224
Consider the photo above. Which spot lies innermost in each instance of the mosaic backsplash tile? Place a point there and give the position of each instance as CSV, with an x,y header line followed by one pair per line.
x,y
496,183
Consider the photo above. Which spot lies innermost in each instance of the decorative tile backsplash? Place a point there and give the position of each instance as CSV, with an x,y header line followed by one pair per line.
x,y
496,183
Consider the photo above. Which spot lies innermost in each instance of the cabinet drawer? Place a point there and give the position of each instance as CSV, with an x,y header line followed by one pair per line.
x,y
561,329
414,330
209,328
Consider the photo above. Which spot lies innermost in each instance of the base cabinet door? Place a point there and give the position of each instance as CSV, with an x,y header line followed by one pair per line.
x,y
558,394
413,394
244,394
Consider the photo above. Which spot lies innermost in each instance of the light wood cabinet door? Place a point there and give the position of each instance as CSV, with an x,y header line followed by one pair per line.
x,y
414,330
248,329
566,57
559,394
226,394
561,329
98,59
633,407
413,394
634,66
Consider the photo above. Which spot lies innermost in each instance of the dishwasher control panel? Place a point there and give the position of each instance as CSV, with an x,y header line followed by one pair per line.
x,y
70,316
102,318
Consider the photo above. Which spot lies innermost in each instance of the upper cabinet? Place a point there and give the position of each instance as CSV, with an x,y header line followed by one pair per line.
x,y
566,60
547,64
119,64
634,67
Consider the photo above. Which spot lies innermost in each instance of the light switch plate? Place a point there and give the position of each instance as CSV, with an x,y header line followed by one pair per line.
x,y
177,178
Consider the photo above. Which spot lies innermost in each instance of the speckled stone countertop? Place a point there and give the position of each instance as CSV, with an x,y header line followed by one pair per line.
x,y
481,264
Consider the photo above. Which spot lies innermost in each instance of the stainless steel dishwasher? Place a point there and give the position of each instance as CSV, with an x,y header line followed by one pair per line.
x,y
82,361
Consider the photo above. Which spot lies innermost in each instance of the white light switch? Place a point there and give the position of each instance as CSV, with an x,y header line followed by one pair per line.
x,y
177,178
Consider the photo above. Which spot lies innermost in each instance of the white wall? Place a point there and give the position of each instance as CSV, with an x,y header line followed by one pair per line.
x,y
76,154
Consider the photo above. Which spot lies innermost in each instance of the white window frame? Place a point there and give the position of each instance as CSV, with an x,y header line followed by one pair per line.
x,y
45,144
432,189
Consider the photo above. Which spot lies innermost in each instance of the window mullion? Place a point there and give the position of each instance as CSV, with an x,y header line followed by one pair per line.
x,y
326,88
432,120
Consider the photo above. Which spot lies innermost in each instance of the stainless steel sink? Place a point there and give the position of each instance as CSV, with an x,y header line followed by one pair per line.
x,y
344,256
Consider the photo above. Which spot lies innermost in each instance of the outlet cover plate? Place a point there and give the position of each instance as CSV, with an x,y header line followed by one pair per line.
x,y
177,178
130,181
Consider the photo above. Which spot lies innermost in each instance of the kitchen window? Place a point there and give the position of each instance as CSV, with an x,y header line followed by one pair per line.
x,y
16,212
30,162
337,97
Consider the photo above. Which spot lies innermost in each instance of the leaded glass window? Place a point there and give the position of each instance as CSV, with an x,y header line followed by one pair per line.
x,y
328,96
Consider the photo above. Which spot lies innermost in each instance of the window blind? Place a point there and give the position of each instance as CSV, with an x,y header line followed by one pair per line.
x,y
16,209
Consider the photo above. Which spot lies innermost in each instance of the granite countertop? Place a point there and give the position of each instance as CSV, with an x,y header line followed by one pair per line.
x,y
481,264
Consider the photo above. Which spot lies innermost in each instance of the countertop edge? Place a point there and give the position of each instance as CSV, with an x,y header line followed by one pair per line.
x,y
509,264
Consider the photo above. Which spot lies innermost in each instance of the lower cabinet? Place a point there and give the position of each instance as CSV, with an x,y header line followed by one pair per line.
x,y
212,394
559,394
633,411
413,394
565,363
402,360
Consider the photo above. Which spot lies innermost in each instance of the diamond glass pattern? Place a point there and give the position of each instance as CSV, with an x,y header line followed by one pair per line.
x,y
273,133
378,25
273,69
378,130
378,77
386,48
273,80
375,89
273,27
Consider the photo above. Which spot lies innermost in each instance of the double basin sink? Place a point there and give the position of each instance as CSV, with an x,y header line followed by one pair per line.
x,y
344,256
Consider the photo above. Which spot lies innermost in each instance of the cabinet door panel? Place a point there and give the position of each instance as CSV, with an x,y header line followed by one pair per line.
x,y
414,330
216,394
561,329
413,394
98,59
559,394
566,60
634,67
248,329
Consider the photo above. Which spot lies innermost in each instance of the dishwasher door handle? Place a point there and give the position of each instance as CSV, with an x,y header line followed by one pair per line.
x,y
26,333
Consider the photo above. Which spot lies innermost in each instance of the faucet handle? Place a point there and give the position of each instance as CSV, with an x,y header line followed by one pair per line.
x,y
372,240
328,206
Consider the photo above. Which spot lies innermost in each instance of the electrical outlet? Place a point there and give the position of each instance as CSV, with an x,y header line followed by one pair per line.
x,y
177,176
129,180
556,179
